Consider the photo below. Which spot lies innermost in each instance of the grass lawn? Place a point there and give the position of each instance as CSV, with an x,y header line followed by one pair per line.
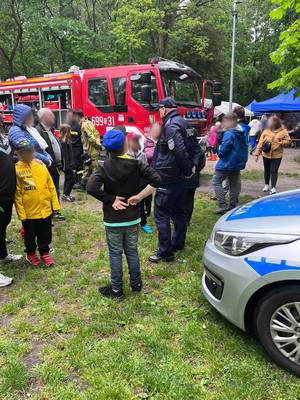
x,y
60,340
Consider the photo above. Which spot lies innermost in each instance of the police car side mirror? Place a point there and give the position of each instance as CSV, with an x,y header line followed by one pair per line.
x,y
217,99
146,93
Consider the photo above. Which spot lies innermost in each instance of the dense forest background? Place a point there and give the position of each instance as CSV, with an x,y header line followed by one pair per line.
x,y
43,36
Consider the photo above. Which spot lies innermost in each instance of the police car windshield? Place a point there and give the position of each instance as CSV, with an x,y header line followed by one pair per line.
x,y
184,88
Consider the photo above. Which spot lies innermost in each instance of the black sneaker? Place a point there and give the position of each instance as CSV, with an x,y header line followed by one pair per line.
x,y
137,288
10,242
58,217
70,199
107,291
157,259
77,186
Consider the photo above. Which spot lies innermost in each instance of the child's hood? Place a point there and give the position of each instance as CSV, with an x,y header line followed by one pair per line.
x,y
21,111
119,169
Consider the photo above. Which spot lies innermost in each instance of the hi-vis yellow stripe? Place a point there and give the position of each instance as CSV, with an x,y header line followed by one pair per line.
x,y
9,83
37,80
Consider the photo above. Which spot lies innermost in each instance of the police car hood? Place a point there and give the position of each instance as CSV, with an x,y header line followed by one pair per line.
x,y
278,213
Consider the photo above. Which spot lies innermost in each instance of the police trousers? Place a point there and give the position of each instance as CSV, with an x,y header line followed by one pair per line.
x,y
169,204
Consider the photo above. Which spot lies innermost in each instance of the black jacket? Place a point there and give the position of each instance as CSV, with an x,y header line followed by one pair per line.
x,y
67,156
120,177
7,172
171,158
76,137
53,169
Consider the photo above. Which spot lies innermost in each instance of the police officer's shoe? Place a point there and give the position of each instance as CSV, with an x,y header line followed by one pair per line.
x,y
108,291
157,259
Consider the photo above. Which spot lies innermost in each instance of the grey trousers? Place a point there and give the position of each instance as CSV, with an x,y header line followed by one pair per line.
x,y
226,185
234,180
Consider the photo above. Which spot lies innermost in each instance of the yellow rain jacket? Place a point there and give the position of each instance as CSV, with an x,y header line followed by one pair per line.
x,y
35,194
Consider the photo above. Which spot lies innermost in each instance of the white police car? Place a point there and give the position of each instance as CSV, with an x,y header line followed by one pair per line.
x,y
252,273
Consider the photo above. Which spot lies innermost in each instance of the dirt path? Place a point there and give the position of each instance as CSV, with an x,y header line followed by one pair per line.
x,y
254,187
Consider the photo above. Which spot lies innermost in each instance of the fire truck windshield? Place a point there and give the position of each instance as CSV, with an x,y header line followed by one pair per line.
x,y
184,88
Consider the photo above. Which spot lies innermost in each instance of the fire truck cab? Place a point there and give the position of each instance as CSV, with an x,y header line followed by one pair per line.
x,y
126,95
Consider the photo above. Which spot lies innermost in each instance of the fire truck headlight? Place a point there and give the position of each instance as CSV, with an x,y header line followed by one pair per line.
x,y
194,114
203,114
188,114
199,114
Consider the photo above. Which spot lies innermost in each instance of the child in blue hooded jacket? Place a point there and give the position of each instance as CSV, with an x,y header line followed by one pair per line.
x,y
233,156
23,128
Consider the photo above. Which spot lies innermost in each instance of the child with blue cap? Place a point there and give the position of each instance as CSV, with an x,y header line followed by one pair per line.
x,y
116,184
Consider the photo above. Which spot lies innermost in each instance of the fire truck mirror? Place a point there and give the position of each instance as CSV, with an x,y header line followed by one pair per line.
x,y
217,99
146,93
146,78
217,87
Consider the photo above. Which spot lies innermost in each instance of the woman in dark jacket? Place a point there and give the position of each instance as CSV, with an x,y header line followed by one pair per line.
x,y
67,161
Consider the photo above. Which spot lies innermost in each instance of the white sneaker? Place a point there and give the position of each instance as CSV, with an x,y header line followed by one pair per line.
x,y
11,258
266,188
273,191
5,280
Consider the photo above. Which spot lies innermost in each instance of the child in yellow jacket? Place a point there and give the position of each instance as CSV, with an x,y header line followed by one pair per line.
x,y
35,198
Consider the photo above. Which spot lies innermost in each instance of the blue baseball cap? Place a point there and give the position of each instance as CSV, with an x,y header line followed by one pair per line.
x,y
168,102
113,140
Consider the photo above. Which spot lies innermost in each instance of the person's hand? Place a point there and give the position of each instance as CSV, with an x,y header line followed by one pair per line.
x,y
118,204
194,169
189,177
38,161
134,200
256,158
50,163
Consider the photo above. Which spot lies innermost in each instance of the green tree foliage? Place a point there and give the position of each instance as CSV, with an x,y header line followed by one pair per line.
x,y
288,53
43,36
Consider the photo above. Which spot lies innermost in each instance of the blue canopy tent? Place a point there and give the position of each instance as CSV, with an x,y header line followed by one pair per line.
x,y
250,108
284,102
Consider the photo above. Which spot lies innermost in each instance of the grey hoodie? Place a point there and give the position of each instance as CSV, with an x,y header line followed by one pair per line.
x,y
139,155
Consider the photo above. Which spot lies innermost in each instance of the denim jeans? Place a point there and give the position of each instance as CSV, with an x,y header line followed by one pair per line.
x,y
125,239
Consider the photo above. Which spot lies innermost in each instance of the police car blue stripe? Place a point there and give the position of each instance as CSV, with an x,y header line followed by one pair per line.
x,y
285,204
263,267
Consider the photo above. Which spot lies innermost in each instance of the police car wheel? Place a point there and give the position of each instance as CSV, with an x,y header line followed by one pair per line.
x,y
277,324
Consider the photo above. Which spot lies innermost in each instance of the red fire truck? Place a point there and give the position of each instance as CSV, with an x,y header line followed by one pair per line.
x,y
126,95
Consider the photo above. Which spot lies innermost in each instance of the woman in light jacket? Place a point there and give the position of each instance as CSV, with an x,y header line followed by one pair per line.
x,y
271,144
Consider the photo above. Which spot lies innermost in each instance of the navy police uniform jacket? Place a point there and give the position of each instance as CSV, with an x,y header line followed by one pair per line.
x,y
171,158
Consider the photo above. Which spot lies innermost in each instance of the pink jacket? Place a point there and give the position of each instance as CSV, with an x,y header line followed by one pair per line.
x,y
213,137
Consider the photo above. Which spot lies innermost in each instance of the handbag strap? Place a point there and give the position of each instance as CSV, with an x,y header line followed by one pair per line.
x,y
274,136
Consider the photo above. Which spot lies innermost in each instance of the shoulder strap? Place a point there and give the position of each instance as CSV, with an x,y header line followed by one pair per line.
x,y
274,136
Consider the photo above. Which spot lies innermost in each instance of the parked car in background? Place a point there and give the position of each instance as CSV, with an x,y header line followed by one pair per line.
x,y
252,273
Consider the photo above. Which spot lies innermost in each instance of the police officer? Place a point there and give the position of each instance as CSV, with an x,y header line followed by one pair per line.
x,y
171,160
90,139
76,147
